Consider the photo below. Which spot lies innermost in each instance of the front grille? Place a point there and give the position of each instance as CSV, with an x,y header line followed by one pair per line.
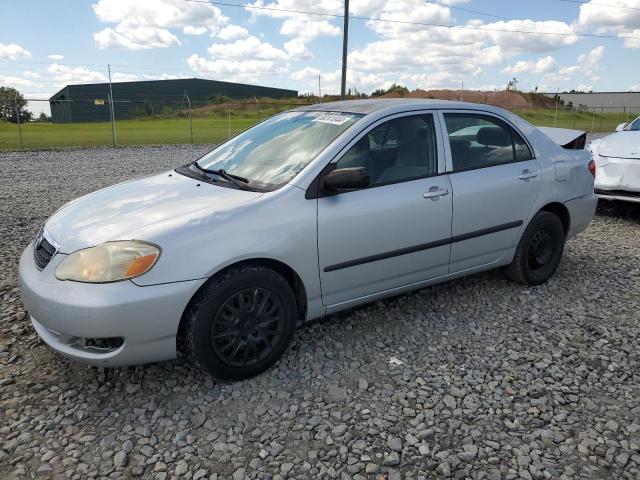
x,y
43,253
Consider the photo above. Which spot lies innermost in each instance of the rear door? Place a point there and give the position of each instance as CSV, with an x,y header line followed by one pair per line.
x,y
396,231
495,180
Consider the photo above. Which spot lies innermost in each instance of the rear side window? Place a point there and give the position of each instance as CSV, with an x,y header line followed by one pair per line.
x,y
479,141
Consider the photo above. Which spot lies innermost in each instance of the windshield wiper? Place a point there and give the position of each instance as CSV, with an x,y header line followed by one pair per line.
x,y
237,180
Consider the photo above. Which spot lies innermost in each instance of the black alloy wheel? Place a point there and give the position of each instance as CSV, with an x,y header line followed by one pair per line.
x,y
240,323
539,251
247,327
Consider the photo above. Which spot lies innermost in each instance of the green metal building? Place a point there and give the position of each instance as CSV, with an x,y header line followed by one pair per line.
x,y
90,102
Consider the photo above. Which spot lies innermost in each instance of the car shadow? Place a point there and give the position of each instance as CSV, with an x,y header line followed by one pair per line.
x,y
616,209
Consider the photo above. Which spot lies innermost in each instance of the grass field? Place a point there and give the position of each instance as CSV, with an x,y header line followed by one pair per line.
x,y
216,129
586,121
129,132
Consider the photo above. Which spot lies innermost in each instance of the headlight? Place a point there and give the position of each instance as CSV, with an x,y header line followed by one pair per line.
x,y
109,262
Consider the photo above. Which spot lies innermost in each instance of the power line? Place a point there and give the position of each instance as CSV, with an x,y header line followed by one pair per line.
x,y
409,22
587,2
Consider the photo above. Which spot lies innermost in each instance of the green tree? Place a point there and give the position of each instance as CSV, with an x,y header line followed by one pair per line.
x,y
9,97
394,88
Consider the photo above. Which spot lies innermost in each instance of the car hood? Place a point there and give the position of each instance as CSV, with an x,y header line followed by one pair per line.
x,y
620,145
134,209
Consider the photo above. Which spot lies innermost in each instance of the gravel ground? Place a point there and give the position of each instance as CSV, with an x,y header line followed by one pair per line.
x,y
492,380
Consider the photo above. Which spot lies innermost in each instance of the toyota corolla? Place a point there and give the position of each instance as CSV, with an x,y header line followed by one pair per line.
x,y
310,212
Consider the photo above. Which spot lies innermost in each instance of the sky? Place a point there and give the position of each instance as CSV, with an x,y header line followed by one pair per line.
x,y
545,44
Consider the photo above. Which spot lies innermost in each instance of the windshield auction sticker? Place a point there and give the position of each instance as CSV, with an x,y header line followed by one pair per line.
x,y
332,118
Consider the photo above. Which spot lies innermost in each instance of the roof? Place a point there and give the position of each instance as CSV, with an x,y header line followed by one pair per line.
x,y
175,81
373,105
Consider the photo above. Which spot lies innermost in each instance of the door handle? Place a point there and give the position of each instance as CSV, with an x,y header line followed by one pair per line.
x,y
435,192
527,175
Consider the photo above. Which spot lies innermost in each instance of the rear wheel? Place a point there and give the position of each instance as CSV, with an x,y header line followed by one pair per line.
x,y
539,251
241,323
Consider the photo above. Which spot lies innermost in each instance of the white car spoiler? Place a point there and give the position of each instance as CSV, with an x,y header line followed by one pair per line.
x,y
565,137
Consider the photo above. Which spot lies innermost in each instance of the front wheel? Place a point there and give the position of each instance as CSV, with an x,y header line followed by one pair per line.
x,y
539,251
241,323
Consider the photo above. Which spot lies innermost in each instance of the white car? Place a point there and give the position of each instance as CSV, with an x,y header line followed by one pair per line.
x,y
617,157
310,212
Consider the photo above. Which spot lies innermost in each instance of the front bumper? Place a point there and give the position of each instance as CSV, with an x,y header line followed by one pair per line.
x,y
622,195
65,313
618,179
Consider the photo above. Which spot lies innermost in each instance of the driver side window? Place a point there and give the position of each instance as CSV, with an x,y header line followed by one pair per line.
x,y
399,150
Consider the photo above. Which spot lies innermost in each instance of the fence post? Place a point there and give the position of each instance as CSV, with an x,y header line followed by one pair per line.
x,y
15,103
113,115
257,109
555,115
190,120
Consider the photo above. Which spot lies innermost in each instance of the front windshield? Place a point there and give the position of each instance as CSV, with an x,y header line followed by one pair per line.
x,y
276,150
634,126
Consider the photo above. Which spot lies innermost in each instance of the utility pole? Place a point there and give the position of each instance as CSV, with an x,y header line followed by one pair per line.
x,y
15,103
113,115
319,90
345,38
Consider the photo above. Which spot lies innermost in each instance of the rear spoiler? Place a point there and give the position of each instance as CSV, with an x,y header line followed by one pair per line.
x,y
566,138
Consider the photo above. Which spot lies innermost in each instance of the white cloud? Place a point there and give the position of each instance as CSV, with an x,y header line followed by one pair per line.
x,y
144,24
301,28
624,22
12,51
634,88
586,66
190,30
134,38
66,75
30,74
306,73
124,77
16,82
584,88
163,76
542,65
412,52
234,70
247,48
56,56
297,50
436,56
591,61
232,32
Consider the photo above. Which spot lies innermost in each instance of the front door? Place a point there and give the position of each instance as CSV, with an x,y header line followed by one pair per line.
x,y
395,232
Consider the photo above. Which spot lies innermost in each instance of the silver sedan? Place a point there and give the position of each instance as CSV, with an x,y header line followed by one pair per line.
x,y
310,212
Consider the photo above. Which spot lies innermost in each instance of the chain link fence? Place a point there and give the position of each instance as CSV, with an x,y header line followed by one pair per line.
x,y
141,121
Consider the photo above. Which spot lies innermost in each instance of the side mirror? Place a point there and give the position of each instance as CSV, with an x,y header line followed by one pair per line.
x,y
620,127
345,179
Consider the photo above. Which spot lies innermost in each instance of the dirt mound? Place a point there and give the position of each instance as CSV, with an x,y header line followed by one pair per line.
x,y
503,99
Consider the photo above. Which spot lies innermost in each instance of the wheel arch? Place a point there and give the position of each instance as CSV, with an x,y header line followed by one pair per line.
x,y
562,212
289,274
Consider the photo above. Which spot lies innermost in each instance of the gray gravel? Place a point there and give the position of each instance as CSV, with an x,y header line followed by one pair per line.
x,y
491,380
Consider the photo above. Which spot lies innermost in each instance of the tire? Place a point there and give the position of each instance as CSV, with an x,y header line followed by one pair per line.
x,y
241,323
539,251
